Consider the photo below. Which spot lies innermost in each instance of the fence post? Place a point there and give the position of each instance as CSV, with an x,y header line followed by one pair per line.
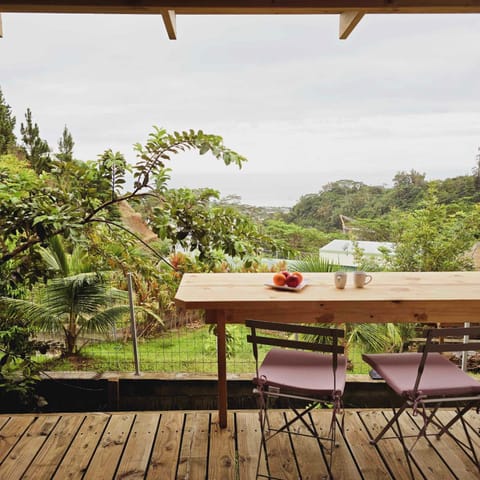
x,y
465,353
133,324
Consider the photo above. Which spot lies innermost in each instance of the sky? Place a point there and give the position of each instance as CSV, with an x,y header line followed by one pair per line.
x,y
305,108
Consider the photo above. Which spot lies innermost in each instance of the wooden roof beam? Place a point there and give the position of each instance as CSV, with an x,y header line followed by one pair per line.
x,y
234,7
348,21
170,21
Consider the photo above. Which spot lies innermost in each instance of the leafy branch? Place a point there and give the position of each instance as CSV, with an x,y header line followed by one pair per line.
x,y
79,194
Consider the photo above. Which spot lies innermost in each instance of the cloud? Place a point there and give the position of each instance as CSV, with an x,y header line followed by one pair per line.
x,y
400,93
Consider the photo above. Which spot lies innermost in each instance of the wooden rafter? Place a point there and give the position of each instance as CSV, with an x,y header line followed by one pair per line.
x,y
169,19
348,21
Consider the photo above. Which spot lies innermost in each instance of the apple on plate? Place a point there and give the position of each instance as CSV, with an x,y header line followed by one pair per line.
x,y
292,281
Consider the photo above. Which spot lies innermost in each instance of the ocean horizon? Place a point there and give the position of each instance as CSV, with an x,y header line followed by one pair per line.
x,y
258,189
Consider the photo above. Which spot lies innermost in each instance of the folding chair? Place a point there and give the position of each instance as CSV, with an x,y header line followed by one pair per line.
x,y
307,371
427,381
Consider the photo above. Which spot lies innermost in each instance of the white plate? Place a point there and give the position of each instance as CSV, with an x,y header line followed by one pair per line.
x,y
286,287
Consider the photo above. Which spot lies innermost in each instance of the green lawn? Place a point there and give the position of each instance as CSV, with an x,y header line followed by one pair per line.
x,y
187,350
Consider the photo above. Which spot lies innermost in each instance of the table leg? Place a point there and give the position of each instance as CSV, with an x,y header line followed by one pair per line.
x,y
222,369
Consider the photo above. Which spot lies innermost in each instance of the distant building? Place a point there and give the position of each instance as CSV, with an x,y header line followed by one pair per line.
x,y
342,251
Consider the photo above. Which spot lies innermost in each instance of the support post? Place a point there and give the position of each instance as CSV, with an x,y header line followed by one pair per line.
x,y
222,367
465,353
133,325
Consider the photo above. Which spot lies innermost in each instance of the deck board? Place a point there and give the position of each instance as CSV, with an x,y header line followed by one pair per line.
x,y
192,464
165,453
222,462
447,450
248,442
366,456
11,431
108,454
24,451
390,450
135,458
190,445
83,446
54,448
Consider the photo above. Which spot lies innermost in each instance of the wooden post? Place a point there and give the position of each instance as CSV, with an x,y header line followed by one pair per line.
x,y
222,368
113,393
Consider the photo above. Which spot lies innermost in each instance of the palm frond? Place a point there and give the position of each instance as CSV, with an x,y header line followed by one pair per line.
x,y
30,313
371,336
314,263
55,256
103,321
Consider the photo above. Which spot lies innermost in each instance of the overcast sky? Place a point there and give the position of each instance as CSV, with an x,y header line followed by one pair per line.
x,y
304,107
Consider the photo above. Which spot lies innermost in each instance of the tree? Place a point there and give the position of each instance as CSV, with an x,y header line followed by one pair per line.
x,y
294,239
77,300
65,146
18,182
431,238
47,211
408,189
36,150
113,167
189,218
343,197
7,126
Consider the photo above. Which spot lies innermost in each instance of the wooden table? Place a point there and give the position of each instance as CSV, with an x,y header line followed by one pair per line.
x,y
426,297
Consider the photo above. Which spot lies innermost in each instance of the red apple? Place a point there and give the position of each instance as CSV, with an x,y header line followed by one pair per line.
x,y
285,273
293,281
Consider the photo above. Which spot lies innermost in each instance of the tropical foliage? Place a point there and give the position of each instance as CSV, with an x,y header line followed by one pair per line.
x,y
54,208
76,300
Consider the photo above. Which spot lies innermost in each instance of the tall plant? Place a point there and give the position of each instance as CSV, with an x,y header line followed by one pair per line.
x,y
7,126
77,300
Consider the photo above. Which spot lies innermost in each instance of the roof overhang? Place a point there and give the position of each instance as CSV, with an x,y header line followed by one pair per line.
x,y
350,11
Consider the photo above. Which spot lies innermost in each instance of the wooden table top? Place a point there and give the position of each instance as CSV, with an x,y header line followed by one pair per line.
x,y
390,297
231,290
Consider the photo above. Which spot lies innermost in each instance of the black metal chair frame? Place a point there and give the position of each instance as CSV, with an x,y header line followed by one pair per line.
x,y
428,405
328,343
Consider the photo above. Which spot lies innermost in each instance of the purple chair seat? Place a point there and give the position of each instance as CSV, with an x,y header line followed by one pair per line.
x,y
440,376
309,372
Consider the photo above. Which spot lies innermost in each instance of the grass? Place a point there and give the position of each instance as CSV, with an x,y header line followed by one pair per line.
x,y
186,350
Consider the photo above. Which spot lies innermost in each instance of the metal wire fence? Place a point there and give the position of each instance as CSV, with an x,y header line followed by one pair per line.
x,y
188,350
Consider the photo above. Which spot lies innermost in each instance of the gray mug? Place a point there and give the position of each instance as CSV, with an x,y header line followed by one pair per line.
x,y
360,279
340,279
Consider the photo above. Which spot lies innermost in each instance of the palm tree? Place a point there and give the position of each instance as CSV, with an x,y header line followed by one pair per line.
x,y
77,300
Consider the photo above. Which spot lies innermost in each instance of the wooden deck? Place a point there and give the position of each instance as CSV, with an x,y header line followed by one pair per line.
x,y
190,445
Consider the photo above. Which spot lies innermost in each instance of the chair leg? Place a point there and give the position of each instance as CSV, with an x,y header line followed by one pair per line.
x,y
406,450
396,414
468,448
326,443
458,416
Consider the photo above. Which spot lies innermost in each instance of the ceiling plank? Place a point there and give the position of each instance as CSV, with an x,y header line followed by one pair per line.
x,y
348,21
169,19
199,7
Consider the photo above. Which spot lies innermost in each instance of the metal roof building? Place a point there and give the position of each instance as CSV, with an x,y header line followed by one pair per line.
x,y
342,251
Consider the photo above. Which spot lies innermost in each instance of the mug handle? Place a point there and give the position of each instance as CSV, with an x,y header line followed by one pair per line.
x,y
368,279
